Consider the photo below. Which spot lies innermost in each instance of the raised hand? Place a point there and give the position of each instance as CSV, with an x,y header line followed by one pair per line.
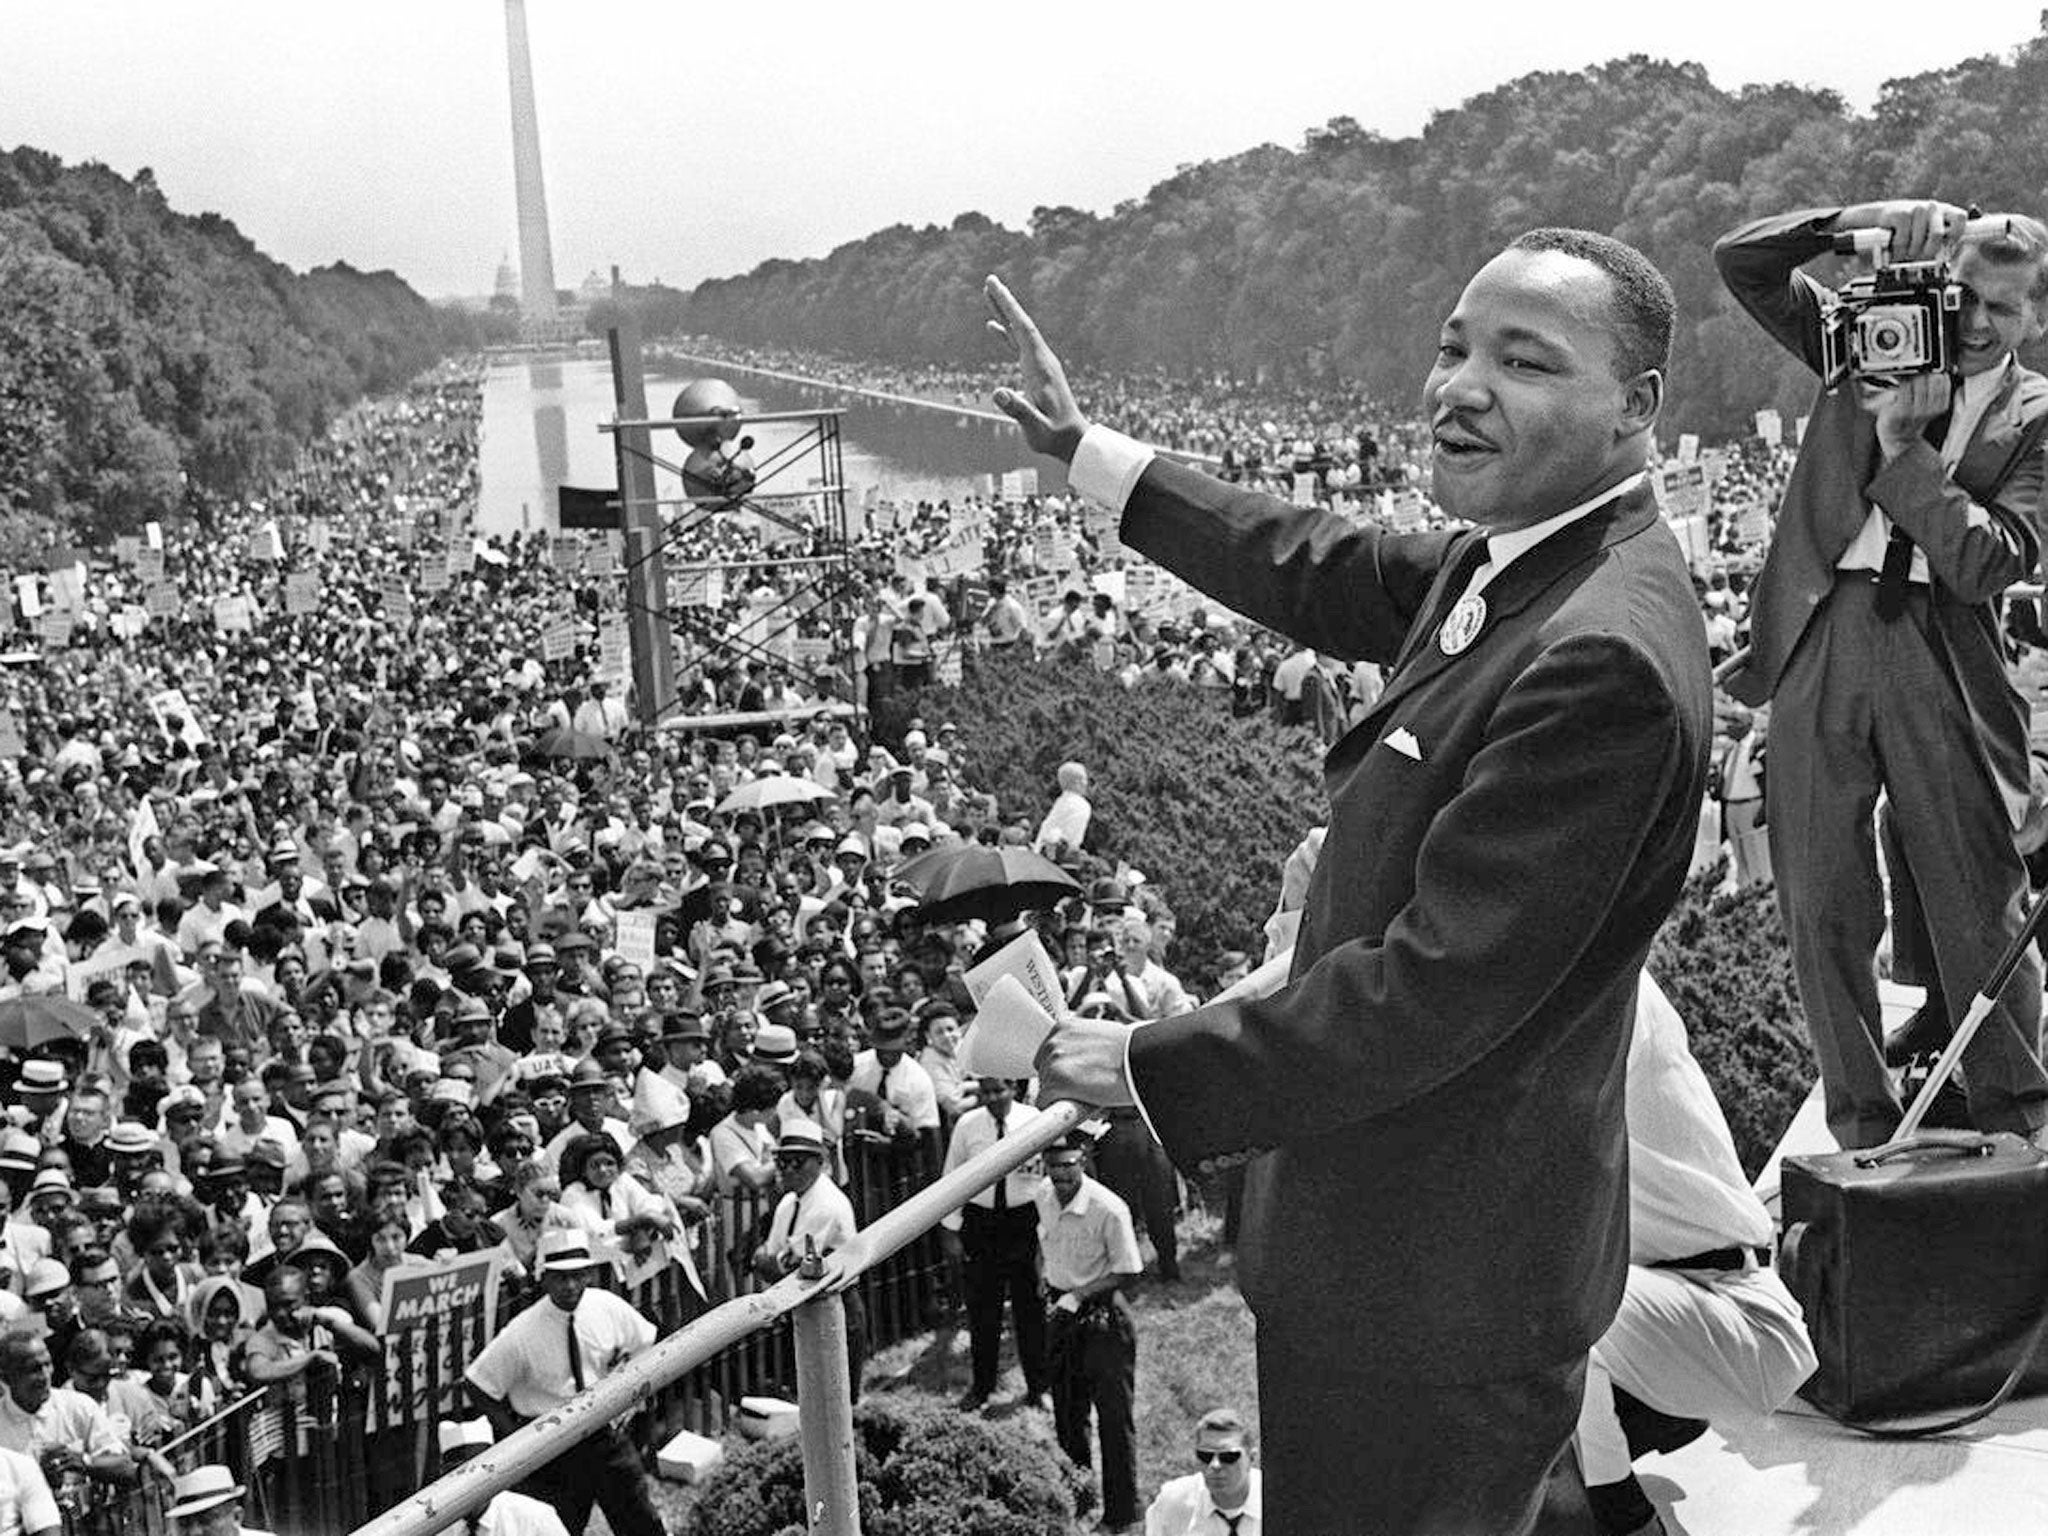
x,y
1045,407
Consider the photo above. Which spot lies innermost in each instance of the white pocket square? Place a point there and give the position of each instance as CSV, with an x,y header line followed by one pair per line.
x,y
1403,741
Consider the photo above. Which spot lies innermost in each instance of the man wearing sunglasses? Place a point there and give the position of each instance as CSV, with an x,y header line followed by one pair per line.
x,y
1222,1497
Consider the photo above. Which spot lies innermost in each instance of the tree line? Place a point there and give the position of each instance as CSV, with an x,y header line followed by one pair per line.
x,y
148,355
1337,260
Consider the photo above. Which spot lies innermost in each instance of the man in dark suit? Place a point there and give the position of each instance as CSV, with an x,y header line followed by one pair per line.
x,y
1874,631
1435,1227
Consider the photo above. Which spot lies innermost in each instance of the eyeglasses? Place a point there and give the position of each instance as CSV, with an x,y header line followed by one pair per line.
x,y
1228,1458
793,1159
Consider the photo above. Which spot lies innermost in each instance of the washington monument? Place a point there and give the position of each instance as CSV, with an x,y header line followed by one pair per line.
x,y
536,258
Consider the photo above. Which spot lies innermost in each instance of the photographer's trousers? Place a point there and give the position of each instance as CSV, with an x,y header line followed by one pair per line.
x,y
1869,704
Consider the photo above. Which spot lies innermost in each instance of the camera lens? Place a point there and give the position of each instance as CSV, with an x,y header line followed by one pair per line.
x,y
1887,337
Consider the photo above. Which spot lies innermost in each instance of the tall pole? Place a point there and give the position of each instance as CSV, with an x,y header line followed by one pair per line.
x,y
649,637
536,255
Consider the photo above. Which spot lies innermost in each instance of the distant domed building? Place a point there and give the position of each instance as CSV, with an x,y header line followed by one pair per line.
x,y
595,288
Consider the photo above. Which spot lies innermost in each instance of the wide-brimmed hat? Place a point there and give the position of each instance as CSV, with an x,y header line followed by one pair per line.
x,y
201,1489
565,1249
800,1135
41,1075
775,1044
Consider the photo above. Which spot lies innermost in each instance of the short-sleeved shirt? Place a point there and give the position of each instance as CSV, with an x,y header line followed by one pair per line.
x,y
26,1503
1087,1239
904,1086
733,1144
527,1365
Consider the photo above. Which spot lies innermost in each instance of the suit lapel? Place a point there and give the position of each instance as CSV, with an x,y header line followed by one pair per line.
x,y
1517,587
1999,434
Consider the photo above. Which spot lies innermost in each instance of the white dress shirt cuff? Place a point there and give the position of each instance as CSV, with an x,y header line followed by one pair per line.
x,y
1107,465
1131,1083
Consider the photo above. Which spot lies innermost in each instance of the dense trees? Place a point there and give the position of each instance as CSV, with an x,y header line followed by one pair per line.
x,y
143,351
1340,257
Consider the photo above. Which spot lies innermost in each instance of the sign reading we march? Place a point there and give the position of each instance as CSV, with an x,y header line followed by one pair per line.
x,y
414,1293
437,1316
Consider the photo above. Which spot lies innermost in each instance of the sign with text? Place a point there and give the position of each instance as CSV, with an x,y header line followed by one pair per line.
x,y
1770,426
437,1316
636,938
1682,490
301,592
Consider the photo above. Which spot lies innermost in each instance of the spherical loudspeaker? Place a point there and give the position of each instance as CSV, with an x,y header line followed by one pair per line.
x,y
708,397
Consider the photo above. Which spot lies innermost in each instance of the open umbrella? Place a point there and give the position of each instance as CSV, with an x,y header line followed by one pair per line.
x,y
27,1022
773,789
975,880
581,745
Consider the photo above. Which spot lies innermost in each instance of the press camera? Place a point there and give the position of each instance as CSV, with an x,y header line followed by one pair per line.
x,y
1891,324
1896,321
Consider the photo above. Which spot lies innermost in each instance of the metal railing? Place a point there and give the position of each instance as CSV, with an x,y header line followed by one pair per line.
x,y
824,1405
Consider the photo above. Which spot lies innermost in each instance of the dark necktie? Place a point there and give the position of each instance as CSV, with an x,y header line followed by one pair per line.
x,y
1002,1184
1230,1522
604,1203
1898,549
1457,576
575,1355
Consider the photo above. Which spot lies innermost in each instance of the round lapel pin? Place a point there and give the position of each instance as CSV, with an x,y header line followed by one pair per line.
x,y
1463,624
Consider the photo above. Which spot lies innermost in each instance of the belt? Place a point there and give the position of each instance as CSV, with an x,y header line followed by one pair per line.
x,y
1864,573
1726,1260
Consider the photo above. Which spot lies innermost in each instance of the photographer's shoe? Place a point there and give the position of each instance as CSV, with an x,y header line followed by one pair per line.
x,y
1924,1034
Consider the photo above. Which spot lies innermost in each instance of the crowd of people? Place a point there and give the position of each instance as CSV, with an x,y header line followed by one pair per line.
x,y
348,922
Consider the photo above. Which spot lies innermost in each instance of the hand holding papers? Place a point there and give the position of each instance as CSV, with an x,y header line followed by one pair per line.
x,y
1004,1038
1023,1027
1017,997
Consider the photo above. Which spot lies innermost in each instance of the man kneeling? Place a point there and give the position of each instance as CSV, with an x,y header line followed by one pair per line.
x,y
1706,1330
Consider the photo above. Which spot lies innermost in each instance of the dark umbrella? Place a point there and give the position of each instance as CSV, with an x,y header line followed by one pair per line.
x,y
581,745
975,880
40,1017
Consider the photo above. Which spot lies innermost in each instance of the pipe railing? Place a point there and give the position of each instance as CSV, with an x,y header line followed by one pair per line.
x,y
825,1426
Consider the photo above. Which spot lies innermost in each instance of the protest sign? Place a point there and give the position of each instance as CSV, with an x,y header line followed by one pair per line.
x,y
436,1316
176,718
1688,447
160,602
1770,426
636,938
149,566
234,615
597,557
55,629
559,641
129,621
11,742
434,573
301,592
568,554
1304,490
1681,490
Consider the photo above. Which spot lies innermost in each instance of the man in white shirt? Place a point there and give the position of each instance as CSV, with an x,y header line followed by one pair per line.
x,y
995,1239
813,1214
27,1508
1066,824
570,1339
1706,1329
909,1102
207,1501
1225,1497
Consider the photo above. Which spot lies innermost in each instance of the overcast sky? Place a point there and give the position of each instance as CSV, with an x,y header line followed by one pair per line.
x,y
684,141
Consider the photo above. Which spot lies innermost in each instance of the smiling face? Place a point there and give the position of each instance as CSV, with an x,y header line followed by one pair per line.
x,y
1998,316
1526,414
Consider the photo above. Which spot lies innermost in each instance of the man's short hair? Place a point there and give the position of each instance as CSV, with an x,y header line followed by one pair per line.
x,y
2024,242
1224,1421
1643,311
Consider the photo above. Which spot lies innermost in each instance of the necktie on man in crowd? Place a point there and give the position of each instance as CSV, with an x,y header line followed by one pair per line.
x,y
1898,549
575,1355
1231,1522
1002,1202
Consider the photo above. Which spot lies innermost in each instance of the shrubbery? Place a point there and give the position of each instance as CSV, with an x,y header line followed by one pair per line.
x,y
923,1471
1206,805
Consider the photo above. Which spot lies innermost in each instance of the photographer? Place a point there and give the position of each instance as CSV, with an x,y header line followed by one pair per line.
x,y
1914,503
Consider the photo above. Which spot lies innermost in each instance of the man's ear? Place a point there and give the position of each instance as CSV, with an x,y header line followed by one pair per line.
x,y
1642,397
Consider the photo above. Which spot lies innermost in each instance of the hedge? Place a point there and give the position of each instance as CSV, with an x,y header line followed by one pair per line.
x,y
923,1470
1208,805
1163,763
